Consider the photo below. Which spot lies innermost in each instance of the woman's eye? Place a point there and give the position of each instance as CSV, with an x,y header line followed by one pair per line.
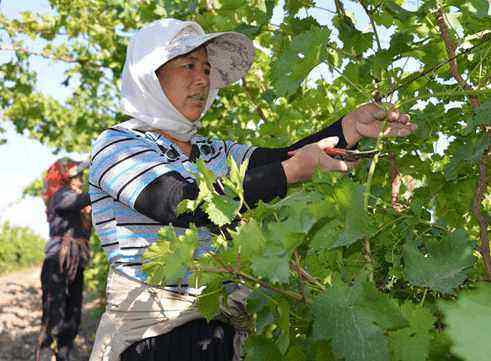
x,y
189,66
207,71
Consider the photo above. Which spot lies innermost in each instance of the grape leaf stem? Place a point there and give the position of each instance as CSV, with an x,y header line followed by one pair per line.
x,y
367,252
372,22
244,276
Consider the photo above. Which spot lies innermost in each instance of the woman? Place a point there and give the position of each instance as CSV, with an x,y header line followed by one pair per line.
x,y
67,251
141,169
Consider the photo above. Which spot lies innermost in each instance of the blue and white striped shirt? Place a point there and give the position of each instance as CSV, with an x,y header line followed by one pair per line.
x,y
124,162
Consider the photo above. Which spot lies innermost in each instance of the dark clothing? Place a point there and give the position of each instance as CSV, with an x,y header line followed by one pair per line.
x,y
194,341
67,253
62,307
65,218
264,180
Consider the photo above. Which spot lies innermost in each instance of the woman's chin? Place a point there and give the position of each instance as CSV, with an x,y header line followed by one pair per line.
x,y
192,117
195,114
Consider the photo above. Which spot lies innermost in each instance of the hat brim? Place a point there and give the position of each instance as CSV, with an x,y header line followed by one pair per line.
x,y
230,55
78,169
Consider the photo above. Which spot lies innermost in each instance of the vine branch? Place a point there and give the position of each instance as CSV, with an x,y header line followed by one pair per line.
x,y
259,110
482,182
451,47
395,177
66,59
482,220
296,266
244,276
372,22
303,275
340,7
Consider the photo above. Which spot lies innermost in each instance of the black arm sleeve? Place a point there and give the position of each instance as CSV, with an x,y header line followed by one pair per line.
x,y
160,198
262,156
264,180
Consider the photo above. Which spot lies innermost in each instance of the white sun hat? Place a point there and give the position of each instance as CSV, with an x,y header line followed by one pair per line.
x,y
230,55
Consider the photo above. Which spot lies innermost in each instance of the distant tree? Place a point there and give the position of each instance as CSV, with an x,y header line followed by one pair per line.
x,y
19,247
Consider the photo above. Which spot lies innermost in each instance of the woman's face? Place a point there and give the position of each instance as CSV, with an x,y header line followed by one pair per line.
x,y
76,183
185,81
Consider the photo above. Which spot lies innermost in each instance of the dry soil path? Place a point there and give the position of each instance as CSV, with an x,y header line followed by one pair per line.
x,y
20,318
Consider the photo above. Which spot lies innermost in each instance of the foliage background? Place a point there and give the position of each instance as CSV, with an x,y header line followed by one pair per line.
x,y
409,233
19,247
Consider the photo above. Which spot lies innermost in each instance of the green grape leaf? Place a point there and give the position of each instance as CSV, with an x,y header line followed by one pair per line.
x,y
282,233
168,258
264,318
468,322
296,353
443,266
186,205
283,340
320,351
236,176
397,11
272,264
354,320
355,42
205,179
358,224
292,230
260,303
205,175
305,51
413,343
478,8
208,301
250,30
383,310
326,235
259,348
481,117
468,151
293,6
222,210
249,239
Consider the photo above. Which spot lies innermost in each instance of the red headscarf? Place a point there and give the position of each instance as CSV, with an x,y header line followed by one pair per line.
x,y
58,176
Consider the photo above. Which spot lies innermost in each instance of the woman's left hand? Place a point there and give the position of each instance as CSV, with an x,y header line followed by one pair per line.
x,y
367,121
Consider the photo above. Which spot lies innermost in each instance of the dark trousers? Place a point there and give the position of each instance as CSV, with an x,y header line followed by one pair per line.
x,y
62,307
196,340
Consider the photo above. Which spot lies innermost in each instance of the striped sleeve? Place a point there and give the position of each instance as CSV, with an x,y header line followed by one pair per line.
x,y
123,164
239,152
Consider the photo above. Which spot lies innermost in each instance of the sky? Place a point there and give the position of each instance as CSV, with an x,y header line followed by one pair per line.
x,y
22,160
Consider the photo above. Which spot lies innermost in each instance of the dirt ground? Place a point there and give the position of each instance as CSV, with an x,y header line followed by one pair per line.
x,y
20,318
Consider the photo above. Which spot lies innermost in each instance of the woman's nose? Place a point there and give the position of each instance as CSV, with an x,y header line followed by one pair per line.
x,y
203,77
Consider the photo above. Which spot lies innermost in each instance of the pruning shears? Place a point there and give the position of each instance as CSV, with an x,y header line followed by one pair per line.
x,y
350,155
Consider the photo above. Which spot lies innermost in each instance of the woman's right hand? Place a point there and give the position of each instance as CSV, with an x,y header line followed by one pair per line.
x,y
303,162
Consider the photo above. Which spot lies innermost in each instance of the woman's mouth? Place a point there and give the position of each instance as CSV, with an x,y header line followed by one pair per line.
x,y
198,97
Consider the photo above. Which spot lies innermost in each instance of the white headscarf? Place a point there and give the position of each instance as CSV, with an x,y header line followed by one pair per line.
x,y
230,55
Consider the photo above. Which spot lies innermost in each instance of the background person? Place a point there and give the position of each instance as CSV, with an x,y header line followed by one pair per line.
x,y
141,169
66,254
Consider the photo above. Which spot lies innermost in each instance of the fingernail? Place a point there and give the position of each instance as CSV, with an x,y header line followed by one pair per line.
x,y
334,140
